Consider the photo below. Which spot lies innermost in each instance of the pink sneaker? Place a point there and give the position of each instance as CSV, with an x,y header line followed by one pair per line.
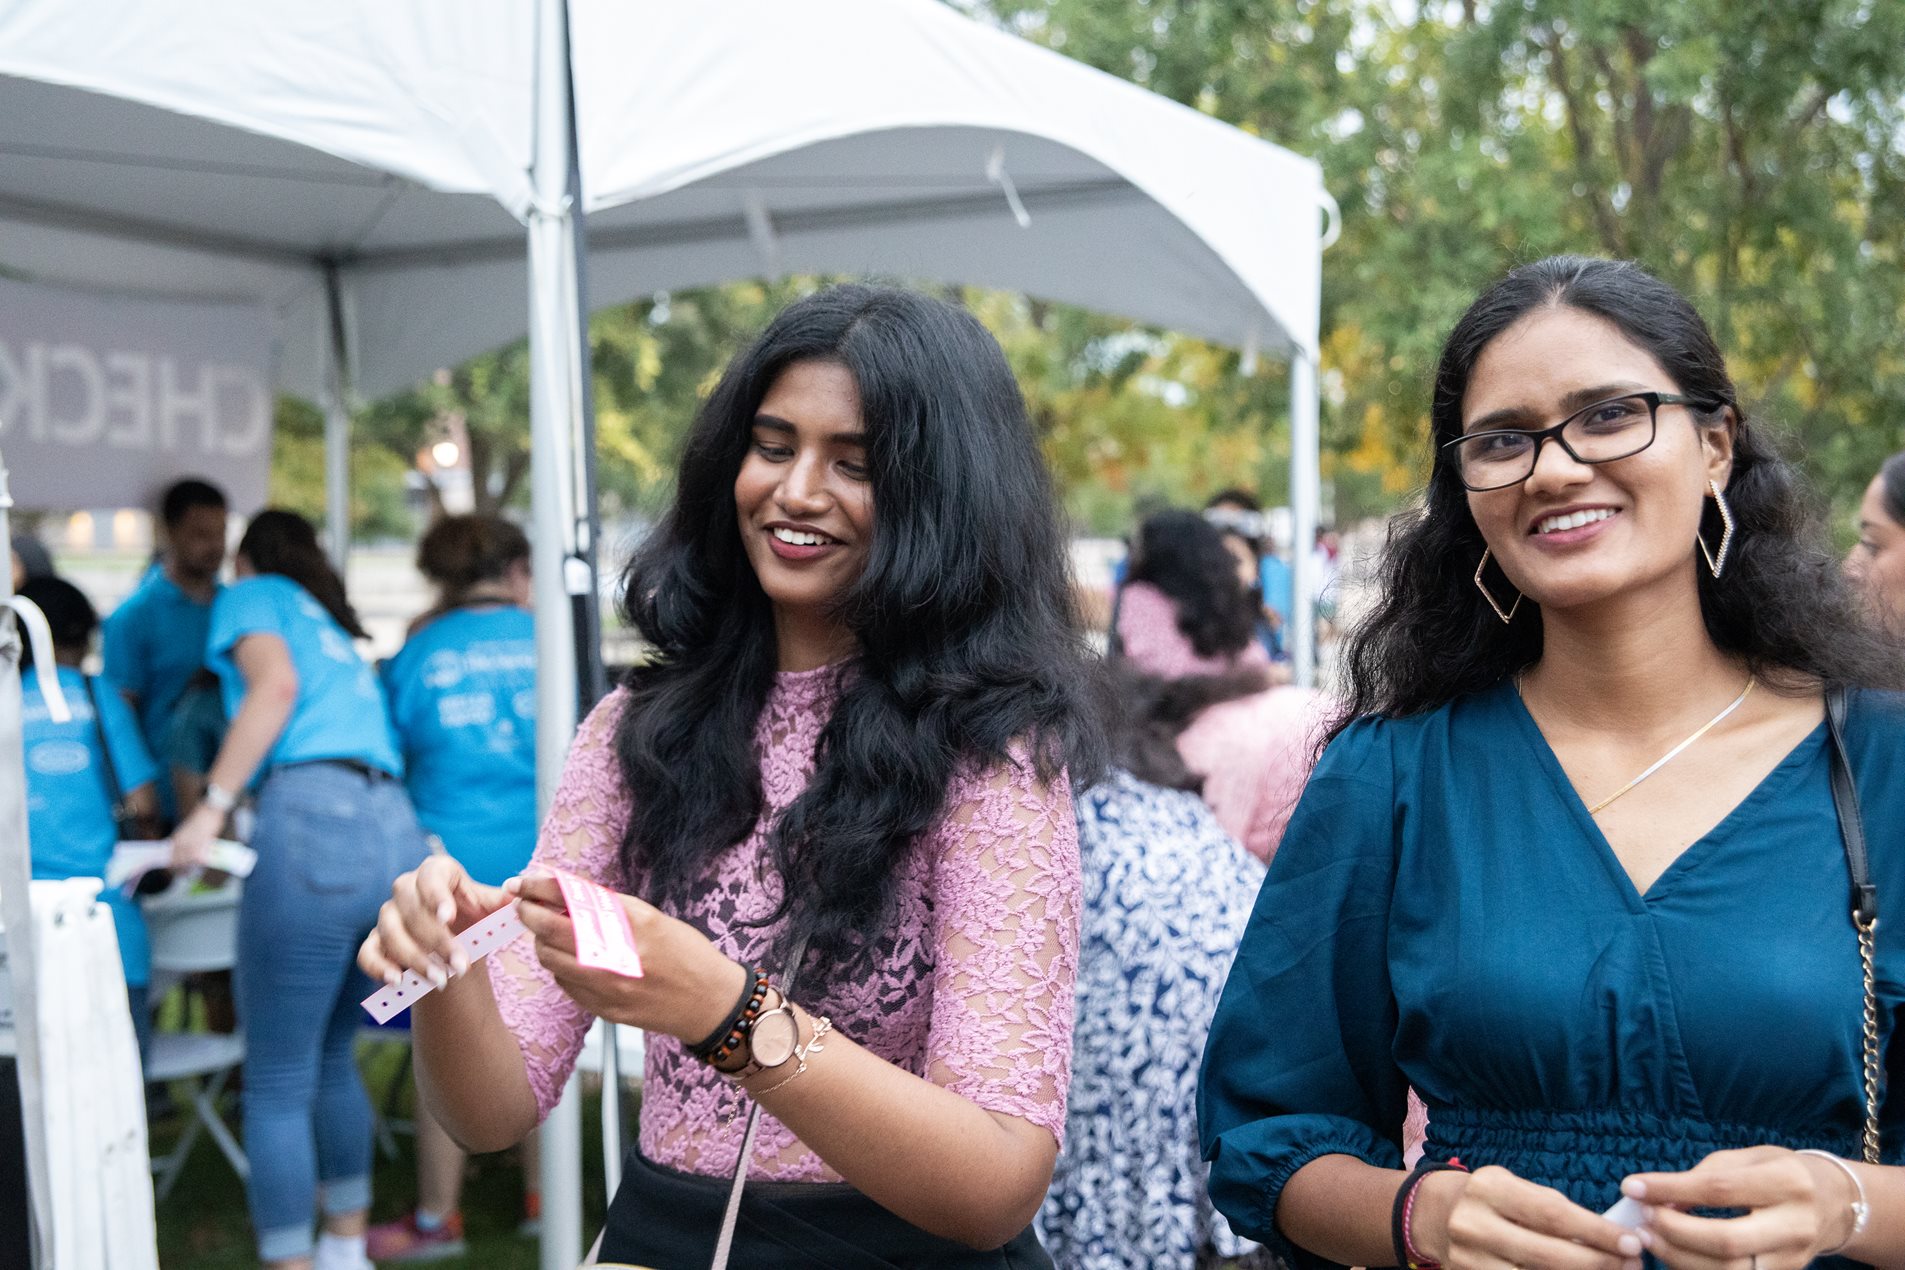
x,y
404,1241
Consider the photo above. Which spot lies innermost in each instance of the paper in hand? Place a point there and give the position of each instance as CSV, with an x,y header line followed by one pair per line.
x,y
132,860
603,939
1625,1213
478,942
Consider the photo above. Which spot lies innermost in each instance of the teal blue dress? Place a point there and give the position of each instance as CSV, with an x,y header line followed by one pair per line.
x,y
1444,914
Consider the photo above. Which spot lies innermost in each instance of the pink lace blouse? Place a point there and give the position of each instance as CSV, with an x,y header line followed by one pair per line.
x,y
972,987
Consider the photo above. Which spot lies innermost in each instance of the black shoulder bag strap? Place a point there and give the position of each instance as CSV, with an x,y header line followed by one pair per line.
x,y
1865,905
121,814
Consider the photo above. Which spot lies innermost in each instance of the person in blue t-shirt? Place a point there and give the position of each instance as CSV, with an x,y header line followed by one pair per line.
x,y
155,639
1237,511
334,828
77,770
462,698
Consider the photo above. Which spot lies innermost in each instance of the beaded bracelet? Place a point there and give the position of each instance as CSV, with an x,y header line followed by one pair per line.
x,y
719,1045
1402,1216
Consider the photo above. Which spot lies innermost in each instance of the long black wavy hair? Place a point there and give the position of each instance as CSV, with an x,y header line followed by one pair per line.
x,y
1783,606
1183,555
968,642
1143,716
285,543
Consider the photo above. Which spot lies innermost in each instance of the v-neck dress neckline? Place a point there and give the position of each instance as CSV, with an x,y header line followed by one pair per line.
x,y
1791,766
1444,916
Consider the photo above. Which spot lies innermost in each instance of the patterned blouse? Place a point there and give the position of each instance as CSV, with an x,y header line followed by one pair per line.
x,y
972,987
1167,893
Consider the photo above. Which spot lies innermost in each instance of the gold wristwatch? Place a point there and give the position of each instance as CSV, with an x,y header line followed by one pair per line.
x,y
771,1039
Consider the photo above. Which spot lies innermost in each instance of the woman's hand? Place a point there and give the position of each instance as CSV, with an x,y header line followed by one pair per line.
x,y
1798,1208
417,926
192,840
687,985
1493,1220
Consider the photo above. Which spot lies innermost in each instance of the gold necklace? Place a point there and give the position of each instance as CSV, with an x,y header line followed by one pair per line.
x,y
1676,751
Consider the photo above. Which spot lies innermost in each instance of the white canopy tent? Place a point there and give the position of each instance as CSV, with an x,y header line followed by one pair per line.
x,y
367,172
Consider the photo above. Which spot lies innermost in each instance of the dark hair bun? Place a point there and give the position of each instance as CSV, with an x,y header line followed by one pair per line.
x,y
460,552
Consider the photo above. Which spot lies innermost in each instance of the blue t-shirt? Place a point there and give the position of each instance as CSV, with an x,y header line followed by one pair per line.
x,y
70,830
1274,574
463,701
339,713
154,644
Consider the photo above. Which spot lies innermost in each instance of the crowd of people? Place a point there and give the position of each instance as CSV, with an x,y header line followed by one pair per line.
x,y
250,700
1547,940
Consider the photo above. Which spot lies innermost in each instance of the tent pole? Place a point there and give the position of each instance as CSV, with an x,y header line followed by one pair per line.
x,y
556,341
1305,495
16,911
337,426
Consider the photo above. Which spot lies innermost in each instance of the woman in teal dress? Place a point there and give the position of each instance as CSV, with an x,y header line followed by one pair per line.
x,y
1606,974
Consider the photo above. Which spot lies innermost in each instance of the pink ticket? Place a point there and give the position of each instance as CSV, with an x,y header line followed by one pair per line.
x,y
603,940
477,942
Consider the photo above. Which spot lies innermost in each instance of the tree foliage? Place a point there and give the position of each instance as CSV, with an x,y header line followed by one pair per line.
x,y
1750,151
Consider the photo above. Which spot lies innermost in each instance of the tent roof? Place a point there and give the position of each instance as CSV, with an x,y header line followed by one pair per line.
x,y
229,150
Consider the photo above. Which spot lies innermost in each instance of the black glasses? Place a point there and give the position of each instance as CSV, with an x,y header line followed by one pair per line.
x,y
1617,428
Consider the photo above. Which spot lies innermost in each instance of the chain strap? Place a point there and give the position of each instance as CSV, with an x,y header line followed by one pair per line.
x,y
1867,938
1865,907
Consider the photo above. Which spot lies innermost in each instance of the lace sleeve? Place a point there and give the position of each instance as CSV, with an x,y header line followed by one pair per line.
x,y
582,834
1005,934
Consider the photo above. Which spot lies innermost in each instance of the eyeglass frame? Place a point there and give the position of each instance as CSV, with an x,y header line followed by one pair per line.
x,y
1654,400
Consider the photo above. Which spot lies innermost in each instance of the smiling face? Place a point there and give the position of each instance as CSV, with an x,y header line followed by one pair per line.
x,y
1576,533
804,499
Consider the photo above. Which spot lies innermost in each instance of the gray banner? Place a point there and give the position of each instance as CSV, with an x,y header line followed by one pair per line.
x,y
106,399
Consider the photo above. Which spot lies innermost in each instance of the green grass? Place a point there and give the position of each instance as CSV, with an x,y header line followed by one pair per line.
x,y
203,1224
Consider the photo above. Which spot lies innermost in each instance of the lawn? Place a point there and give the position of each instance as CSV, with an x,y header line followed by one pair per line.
x,y
203,1225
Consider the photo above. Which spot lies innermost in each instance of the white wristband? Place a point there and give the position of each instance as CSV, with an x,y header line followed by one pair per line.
x,y
1861,1210
219,799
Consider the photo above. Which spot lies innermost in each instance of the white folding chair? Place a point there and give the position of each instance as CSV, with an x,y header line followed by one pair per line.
x,y
192,932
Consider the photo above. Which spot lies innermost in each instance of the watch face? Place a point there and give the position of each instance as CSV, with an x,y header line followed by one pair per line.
x,y
774,1037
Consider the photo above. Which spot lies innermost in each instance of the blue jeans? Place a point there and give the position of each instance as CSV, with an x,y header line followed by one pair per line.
x,y
330,840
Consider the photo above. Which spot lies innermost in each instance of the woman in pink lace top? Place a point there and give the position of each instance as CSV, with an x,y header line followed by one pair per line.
x,y
854,741
1185,619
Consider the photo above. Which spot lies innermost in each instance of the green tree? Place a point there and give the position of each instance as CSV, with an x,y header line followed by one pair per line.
x,y
481,405
379,507
1749,152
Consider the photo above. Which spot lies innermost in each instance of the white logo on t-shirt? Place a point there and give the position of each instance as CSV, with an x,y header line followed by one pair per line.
x,y
59,758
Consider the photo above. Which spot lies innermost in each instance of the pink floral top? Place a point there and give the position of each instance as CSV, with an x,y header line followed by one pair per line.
x,y
1255,755
1254,752
972,988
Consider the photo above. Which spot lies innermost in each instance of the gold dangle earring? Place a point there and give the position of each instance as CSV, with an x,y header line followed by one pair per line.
x,y
1716,561
1481,586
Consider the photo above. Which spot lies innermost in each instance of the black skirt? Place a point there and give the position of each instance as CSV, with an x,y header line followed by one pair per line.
x,y
668,1220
